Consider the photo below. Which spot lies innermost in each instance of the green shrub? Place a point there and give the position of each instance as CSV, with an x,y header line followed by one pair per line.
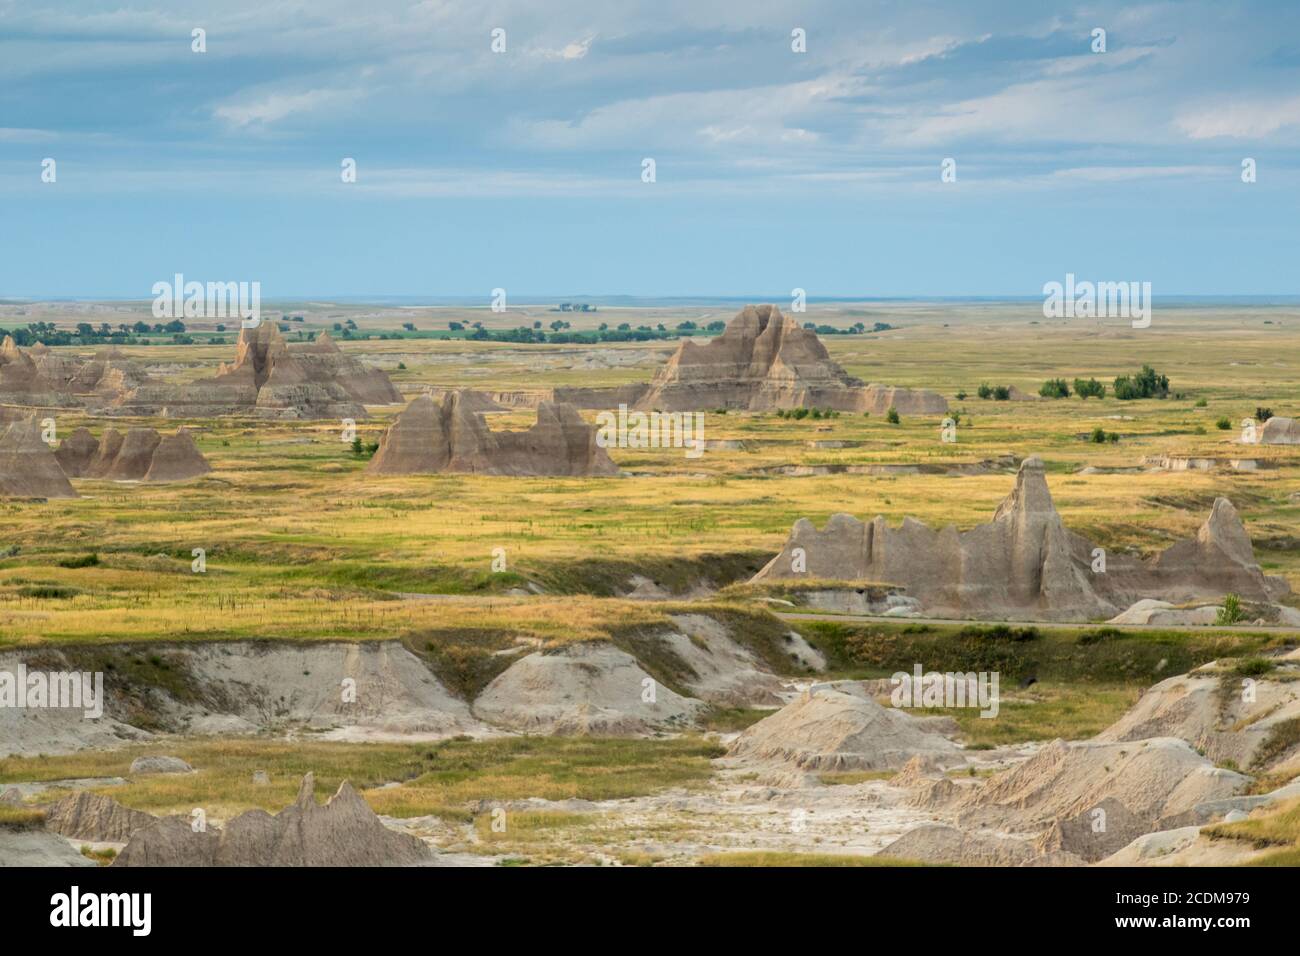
x,y
1224,423
892,416
1231,611
1089,388
1147,383
83,561
1055,388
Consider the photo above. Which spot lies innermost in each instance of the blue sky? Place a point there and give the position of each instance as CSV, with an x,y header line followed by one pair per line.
x,y
774,169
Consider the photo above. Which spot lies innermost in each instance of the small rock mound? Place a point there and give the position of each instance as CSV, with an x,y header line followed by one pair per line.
x,y
835,730
940,844
343,832
160,764
1280,431
28,468
591,689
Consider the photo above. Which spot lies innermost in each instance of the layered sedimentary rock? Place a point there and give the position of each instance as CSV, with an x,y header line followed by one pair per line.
x,y
273,379
1025,563
762,361
28,468
140,455
430,437
40,377
1280,431
765,360
343,832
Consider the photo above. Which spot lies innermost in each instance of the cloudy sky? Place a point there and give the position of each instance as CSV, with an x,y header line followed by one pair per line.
x,y
523,169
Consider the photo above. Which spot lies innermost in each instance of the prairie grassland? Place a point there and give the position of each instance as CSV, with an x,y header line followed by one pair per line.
x,y
301,543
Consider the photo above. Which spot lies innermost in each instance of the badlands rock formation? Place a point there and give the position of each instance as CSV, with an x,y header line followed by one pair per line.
x,y
40,377
1025,563
765,360
273,379
1280,431
28,468
1057,792
141,455
343,832
1232,727
429,437
99,819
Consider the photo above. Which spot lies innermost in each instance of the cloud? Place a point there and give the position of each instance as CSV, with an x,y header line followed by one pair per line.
x,y
1241,120
273,107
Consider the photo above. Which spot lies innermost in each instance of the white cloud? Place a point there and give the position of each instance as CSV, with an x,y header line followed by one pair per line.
x,y
1240,120
273,107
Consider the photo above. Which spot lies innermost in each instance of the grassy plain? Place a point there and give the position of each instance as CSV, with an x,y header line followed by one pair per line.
x,y
301,543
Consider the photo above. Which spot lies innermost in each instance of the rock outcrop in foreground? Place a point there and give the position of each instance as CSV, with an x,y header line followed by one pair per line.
x,y
28,468
343,832
428,438
1025,563
140,455
273,379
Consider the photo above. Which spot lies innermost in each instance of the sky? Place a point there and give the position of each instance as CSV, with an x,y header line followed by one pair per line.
x,y
525,169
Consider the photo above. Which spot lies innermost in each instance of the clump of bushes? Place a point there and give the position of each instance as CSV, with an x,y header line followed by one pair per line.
x,y
892,416
801,413
1055,388
1147,383
1100,436
1263,414
1089,388
1224,423
362,449
1001,632
81,561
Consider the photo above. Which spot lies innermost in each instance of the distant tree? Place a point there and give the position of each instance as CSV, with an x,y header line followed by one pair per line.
x,y
985,390
1147,383
1089,388
1001,393
456,326
409,326
1055,388
892,416
1263,414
